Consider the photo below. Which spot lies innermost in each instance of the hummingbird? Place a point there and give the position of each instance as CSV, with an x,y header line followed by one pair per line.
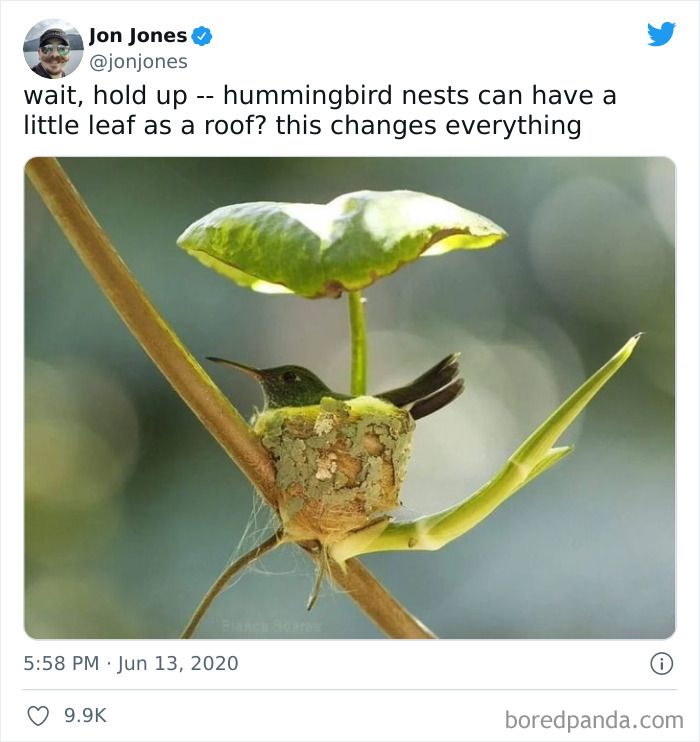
x,y
286,388
296,386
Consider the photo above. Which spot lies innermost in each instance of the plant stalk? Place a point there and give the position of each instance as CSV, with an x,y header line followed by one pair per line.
x,y
186,376
358,339
535,456
225,577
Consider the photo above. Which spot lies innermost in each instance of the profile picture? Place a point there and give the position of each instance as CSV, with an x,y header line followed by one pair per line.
x,y
53,48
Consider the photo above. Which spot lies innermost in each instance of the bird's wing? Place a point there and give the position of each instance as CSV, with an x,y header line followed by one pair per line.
x,y
437,401
654,33
428,383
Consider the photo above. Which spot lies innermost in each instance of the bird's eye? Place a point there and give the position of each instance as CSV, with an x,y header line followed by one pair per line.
x,y
290,377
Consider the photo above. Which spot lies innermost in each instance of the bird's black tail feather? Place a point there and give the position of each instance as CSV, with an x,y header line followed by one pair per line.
x,y
436,401
428,383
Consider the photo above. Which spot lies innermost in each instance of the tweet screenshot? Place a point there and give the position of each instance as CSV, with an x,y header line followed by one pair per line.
x,y
349,371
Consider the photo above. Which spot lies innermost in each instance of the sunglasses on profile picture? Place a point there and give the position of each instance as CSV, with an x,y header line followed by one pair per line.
x,y
62,49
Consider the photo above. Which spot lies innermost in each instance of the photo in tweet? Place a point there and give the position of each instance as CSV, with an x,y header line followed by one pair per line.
x,y
309,295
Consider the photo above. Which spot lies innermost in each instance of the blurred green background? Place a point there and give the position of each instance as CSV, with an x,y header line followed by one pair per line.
x,y
132,509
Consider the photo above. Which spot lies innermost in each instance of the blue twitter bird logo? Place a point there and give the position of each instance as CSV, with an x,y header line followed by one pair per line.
x,y
660,36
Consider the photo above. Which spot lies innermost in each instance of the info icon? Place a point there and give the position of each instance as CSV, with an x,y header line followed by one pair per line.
x,y
661,663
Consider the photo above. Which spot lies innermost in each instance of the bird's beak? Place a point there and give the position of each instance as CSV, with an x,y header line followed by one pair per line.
x,y
249,370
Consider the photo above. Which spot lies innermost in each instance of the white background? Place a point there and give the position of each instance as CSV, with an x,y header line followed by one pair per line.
x,y
432,690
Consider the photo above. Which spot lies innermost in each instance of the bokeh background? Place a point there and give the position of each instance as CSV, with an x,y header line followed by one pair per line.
x,y
132,509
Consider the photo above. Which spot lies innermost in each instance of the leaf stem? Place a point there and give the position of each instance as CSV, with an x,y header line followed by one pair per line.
x,y
358,338
186,376
225,577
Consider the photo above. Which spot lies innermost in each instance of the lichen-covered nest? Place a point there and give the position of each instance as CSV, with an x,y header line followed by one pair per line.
x,y
340,465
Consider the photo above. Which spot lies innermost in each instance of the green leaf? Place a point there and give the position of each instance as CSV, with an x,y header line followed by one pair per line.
x,y
321,250
531,459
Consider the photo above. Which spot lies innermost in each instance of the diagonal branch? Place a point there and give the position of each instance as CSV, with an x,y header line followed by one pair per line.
x,y
155,336
382,607
188,378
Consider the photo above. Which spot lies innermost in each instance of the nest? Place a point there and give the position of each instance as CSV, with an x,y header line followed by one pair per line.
x,y
339,465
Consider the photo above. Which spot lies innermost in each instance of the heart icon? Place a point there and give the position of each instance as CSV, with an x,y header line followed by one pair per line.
x,y
38,714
